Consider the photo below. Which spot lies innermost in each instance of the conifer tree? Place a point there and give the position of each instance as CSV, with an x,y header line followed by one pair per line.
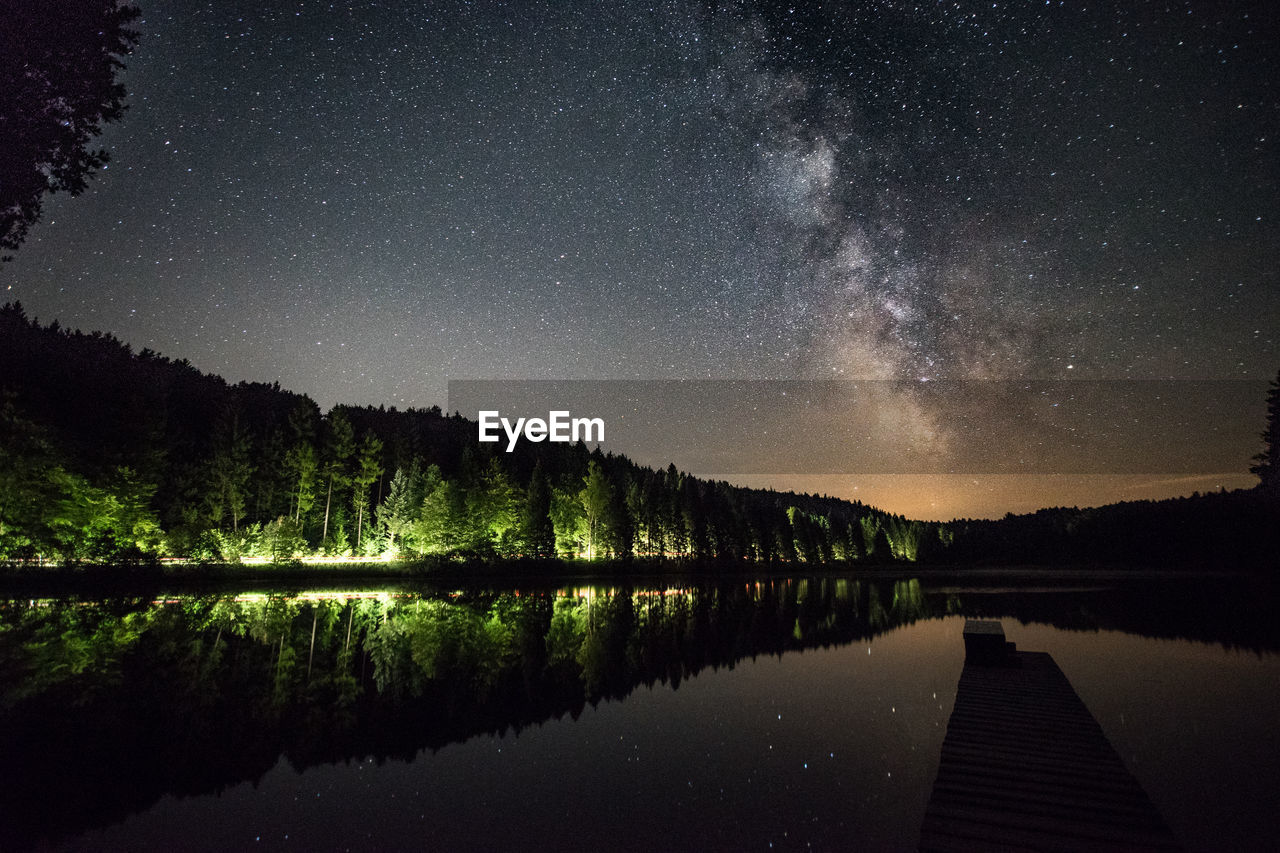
x,y
536,529
368,470
595,497
340,445
1267,463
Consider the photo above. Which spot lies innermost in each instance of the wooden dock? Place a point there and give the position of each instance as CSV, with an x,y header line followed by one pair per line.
x,y
1025,766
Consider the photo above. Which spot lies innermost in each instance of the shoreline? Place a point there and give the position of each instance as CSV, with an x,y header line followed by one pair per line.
x,y
98,580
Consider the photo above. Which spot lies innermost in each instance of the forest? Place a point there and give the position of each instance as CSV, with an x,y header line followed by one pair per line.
x,y
114,456
110,456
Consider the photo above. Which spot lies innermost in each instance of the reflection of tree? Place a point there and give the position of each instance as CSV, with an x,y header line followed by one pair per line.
x,y
205,692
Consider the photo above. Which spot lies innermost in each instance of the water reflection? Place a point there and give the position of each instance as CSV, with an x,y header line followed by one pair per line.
x,y
107,706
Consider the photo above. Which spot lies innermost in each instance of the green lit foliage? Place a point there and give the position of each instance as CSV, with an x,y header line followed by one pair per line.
x,y
211,461
87,522
595,496
845,540
228,546
812,536
908,603
870,527
47,511
441,524
395,514
228,458
569,521
459,644
569,622
492,508
672,513
338,542
368,470
281,541
67,645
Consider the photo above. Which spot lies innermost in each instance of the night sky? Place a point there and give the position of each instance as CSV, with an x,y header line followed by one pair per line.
x,y
363,201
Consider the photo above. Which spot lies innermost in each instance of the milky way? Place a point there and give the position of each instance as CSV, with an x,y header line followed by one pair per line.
x,y
365,201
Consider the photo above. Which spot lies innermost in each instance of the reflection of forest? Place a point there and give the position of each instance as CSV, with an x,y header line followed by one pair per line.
x,y
192,695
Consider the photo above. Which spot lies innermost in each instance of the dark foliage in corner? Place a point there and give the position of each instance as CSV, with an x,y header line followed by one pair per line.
x,y
59,66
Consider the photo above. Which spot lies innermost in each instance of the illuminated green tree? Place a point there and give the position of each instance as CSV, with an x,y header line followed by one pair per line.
x,y
569,521
395,514
282,540
441,525
368,470
135,525
595,496
87,522
493,506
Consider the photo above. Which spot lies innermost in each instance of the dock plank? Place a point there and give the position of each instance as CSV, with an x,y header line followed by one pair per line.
x,y
1025,766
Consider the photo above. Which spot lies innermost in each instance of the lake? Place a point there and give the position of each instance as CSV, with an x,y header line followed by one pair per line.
x,y
741,714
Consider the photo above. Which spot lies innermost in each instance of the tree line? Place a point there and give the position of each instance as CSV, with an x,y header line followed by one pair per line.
x,y
112,455
109,455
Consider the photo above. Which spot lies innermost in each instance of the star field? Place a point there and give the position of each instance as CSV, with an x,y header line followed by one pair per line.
x,y
363,201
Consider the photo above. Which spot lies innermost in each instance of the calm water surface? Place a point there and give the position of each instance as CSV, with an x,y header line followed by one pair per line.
x,y
784,714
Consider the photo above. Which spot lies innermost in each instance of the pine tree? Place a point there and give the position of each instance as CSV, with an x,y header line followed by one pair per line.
x,y
595,497
492,506
368,470
340,445
536,529
441,525
619,527
1267,465
300,460
229,470
394,515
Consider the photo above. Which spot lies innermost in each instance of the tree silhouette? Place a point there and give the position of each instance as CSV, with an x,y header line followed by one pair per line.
x,y
1267,465
536,527
58,66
